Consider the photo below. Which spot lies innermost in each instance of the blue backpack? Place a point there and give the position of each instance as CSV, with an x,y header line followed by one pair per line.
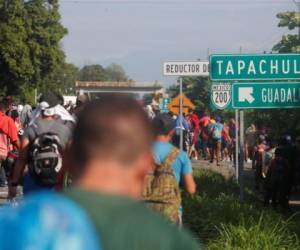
x,y
216,133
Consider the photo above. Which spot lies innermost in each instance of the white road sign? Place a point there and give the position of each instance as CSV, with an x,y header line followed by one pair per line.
x,y
186,68
221,95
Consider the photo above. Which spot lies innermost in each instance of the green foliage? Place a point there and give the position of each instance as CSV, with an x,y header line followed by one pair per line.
x,y
113,72
92,73
44,35
30,51
62,80
252,234
289,43
220,221
15,64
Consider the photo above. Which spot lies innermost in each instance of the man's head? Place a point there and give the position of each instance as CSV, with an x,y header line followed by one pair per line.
x,y
47,102
111,149
164,125
218,119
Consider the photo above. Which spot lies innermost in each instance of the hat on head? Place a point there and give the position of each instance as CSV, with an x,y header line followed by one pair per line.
x,y
163,124
49,111
50,98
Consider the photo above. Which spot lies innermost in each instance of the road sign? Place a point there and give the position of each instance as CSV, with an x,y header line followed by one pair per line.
x,y
174,106
186,68
266,95
254,67
221,95
164,105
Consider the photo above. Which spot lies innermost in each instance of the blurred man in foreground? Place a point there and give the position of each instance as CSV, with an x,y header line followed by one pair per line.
x,y
112,155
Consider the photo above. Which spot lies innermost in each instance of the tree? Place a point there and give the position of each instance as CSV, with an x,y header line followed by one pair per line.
x,y
289,43
16,67
96,72
115,72
44,35
92,73
30,51
62,80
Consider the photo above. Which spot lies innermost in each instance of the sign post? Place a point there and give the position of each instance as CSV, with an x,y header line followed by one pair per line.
x,y
181,113
242,160
181,69
236,145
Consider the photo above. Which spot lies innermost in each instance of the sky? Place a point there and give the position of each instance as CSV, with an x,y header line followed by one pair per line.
x,y
142,34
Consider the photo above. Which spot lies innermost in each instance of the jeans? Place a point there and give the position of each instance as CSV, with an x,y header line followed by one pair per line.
x,y
3,179
216,150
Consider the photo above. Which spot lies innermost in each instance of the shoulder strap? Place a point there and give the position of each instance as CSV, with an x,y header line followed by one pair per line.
x,y
171,157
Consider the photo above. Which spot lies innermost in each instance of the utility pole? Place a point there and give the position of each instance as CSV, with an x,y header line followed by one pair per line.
x,y
181,114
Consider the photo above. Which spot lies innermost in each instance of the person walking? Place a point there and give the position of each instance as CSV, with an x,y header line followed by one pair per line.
x,y
171,168
216,130
8,139
42,148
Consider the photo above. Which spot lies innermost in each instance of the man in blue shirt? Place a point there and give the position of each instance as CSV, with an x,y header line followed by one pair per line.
x,y
216,131
181,125
164,127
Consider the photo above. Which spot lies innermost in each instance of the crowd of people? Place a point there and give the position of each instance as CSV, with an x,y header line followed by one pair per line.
x,y
275,161
100,175
206,137
104,174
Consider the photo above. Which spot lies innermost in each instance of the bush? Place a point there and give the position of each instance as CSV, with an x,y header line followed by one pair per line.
x,y
220,221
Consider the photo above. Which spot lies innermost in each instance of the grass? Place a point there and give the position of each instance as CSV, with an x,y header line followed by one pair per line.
x,y
220,221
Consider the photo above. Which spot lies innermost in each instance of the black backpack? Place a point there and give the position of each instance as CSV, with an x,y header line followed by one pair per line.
x,y
45,159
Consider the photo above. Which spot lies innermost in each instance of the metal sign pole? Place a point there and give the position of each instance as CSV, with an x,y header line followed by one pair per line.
x,y
242,161
236,145
181,113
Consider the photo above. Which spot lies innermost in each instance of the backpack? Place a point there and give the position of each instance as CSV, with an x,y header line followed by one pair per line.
x,y
216,133
45,159
161,191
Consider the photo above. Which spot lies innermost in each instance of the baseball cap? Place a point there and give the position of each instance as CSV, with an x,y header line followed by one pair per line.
x,y
163,124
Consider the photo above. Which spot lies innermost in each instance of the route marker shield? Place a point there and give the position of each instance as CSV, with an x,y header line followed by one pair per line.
x,y
221,95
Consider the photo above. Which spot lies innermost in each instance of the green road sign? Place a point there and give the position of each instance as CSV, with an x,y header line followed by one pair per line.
x,y
164,105
254,67
265,95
